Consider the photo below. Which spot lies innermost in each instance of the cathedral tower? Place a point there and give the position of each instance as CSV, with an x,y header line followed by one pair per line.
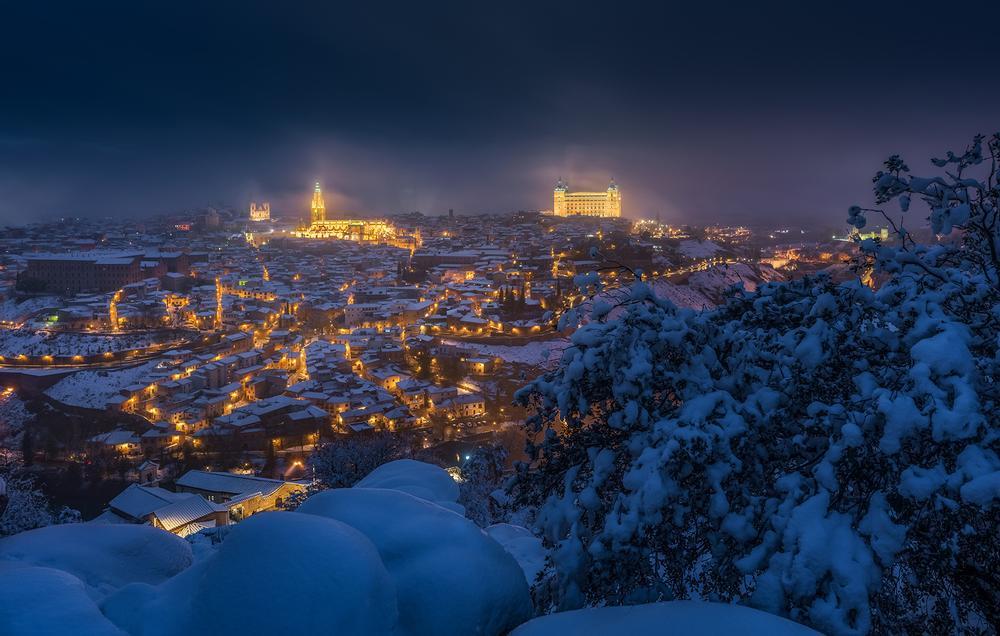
x,y
318,206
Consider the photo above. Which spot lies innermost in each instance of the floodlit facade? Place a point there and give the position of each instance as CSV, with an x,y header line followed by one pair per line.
x,y
357,230
318,207
260,214
600,204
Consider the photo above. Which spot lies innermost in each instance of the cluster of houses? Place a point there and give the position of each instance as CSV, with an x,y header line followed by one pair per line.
x,y
199,500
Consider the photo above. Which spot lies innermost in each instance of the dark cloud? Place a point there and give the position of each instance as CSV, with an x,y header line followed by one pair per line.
x,y
701,110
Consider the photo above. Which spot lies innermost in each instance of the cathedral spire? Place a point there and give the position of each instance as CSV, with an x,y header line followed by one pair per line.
x,y
318,208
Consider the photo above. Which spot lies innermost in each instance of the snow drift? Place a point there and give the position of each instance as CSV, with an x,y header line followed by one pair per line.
x,y
453,578
47,601
664,619
104,558
418,479
279,572
361,560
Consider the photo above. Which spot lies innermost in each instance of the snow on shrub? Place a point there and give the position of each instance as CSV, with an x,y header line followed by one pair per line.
x,y
275,573
47,601
451,577
104,557
419,479
825,452
362,561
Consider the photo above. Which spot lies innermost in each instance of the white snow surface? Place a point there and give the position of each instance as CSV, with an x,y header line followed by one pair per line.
x,y
675,618
13,311
698,249
31,342
452,578
418,479
39,601
103,557
533,353
715,281
92,389
352,561
276,573
521,544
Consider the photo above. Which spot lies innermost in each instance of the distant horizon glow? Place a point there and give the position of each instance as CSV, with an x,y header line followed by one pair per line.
x,y
739,116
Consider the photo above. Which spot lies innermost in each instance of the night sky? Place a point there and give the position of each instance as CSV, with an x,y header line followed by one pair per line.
x,y
702,111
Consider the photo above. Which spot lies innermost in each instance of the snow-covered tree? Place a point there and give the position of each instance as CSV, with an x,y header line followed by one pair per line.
x,y
480,491
344,462
826,452
23,506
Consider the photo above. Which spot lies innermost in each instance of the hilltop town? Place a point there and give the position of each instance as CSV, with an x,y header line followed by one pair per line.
x,y
230,340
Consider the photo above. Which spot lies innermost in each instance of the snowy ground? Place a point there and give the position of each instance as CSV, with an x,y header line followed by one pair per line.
x,y
392,556
676,618
715,281
535,353
12,311
92,389
698,249
35,343
365,560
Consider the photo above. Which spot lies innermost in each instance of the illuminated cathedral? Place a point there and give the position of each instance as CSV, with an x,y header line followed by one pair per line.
x,y
357,230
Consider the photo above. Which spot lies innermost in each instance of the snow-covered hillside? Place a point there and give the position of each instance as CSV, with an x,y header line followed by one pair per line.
x,y
698,249
12,311
92,389
713,283
536,353
32,342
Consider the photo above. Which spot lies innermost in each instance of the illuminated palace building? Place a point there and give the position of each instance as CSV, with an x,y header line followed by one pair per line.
x,y
358,230
602,204
260,214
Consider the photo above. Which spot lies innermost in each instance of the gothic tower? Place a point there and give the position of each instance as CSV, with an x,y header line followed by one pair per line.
x,y
318,206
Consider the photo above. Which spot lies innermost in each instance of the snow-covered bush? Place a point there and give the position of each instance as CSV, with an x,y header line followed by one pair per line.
x,y
451,577
343,462
39,600
102,556
482,478
276,573
393,555
419,479
824,452
23,506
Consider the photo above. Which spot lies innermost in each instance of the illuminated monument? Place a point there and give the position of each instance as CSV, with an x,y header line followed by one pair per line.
x,y
358,230
603,204
260,214
318,207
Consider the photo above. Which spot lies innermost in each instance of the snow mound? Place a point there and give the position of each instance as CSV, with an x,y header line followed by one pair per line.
x,y
103,557
698,249
47,601
664,619
276,573
453,579
525,547
419,479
